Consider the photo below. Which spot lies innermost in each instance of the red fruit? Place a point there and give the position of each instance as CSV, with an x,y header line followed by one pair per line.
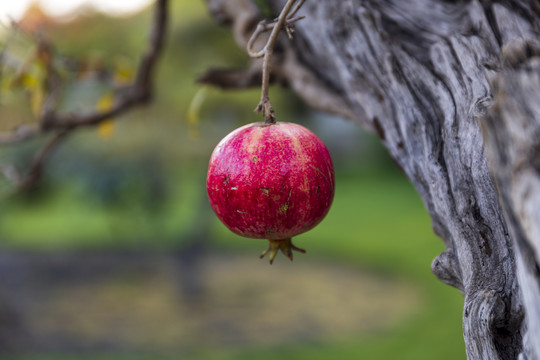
x,y
271,181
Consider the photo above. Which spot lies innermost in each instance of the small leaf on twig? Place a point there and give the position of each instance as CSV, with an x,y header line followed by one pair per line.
x,y
123,73
32,82
106,128
193,114
37,96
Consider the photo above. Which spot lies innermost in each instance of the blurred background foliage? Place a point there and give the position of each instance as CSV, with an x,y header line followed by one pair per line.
x,y
137,186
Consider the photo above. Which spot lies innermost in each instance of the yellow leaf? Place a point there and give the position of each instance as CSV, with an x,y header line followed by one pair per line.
x,y
123,71
105,102
123,76
106,129
28,81
37,96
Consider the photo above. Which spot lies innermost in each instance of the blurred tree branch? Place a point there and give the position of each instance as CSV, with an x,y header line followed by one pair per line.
x,y
61,125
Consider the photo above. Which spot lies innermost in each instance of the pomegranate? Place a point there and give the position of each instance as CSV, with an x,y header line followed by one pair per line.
x,y
271,181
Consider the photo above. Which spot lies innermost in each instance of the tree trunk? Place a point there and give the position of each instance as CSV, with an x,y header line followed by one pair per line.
x,y
418,73
512,131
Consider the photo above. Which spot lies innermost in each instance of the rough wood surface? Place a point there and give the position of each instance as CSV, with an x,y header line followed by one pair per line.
x,y
416,72
512,131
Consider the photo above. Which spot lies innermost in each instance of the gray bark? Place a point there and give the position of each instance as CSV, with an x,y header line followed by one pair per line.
x,y
417,73
512,131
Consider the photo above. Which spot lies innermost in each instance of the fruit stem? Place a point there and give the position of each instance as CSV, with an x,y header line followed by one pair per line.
x,y
285,21
285,245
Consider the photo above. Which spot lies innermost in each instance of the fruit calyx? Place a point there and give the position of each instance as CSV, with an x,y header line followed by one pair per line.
x,y
285,245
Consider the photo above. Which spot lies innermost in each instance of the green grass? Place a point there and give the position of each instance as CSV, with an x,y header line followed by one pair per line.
x,y
70,217
376,223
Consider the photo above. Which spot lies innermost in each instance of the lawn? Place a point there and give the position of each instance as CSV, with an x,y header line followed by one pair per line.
x,y
377,225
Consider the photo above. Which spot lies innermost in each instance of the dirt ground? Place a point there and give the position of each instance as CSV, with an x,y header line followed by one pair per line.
x,y
137,301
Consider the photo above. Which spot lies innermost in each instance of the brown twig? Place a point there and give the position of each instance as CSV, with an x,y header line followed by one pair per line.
x,y
35,170
296,8
285,20
232,78
138,93
20,134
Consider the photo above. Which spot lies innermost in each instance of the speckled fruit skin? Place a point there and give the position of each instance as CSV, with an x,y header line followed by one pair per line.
x,y
270,181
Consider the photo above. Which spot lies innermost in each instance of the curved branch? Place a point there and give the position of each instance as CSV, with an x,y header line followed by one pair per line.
x,y
21,133
243,17
35,171
140,92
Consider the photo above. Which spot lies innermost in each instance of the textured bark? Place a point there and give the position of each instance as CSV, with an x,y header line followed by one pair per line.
x,y
417,72
512,131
